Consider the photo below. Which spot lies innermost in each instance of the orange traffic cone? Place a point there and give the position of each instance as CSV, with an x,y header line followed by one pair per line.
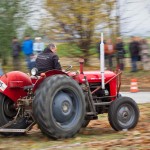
x,y
134,86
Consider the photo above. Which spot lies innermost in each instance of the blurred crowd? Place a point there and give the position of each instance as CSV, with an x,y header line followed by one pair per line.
x,y
138,50
30,50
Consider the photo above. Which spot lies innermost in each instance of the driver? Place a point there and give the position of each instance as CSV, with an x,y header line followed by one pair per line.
x,y
48,60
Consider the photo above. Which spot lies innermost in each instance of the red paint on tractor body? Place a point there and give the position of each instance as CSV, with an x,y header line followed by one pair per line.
x,y
47,74
95,77
14,82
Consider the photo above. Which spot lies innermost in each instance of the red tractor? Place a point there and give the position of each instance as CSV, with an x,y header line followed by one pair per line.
x,y
61,103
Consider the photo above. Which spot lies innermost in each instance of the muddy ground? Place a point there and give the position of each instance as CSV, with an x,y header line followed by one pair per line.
x,y
97,136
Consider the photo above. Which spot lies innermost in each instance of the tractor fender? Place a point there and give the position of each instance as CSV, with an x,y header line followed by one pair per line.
x,y
45,75
12,84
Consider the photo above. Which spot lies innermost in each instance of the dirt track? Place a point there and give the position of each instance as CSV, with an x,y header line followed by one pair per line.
x,y
98,135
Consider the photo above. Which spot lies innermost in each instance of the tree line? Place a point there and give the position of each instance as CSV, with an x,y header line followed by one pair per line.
x,y
77,21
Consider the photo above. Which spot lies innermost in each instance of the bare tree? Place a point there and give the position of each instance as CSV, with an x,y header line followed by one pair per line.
x,y
76,20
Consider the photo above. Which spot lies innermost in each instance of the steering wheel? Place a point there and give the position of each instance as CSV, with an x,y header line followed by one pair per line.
x,y
68,68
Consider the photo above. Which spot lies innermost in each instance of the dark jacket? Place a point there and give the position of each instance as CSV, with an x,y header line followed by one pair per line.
x,y
47,60
120,50
16,49
134,48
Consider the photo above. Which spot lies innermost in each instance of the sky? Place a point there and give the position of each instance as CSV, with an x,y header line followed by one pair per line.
x,y
135,16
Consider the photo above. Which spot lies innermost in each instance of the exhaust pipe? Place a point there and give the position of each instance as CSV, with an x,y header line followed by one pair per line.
x,y
102,62
81,61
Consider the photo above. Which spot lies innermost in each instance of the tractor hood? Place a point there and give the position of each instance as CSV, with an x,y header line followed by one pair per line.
x,y
92,76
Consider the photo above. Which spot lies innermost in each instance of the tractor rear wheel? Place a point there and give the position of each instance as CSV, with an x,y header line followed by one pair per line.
x,y
59,107
7,114
85,123
123,114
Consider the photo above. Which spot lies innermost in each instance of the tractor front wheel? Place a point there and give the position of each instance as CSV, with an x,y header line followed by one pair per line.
x,y
123,114
59,107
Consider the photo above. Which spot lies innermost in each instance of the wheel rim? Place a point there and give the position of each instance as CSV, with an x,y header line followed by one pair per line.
x,y
66,108
126,115
9,108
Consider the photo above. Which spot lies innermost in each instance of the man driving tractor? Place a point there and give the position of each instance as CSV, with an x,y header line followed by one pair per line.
x,y
48,59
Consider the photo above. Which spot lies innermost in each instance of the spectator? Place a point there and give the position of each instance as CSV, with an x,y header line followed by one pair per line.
x,y
38,46
27,47
134,48
1,70
139,63
145,55
16,49
109,53
120,53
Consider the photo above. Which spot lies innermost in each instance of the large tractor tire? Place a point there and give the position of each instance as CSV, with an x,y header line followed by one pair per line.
x,y
85,123
59,107
7,114
123,114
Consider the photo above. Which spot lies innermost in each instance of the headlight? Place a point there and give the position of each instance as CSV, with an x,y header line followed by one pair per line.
x,y
34,71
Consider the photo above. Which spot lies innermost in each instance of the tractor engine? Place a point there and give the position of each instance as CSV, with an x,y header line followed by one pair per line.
x,y
91,80
25,103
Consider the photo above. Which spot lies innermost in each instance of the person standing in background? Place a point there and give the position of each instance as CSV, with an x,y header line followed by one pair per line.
x,y
119,47
145,55
134,48
1,70
139,63
38,45
109,53
27,47
16,49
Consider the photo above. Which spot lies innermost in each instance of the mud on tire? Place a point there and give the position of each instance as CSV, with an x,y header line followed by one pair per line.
x,y
59,107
